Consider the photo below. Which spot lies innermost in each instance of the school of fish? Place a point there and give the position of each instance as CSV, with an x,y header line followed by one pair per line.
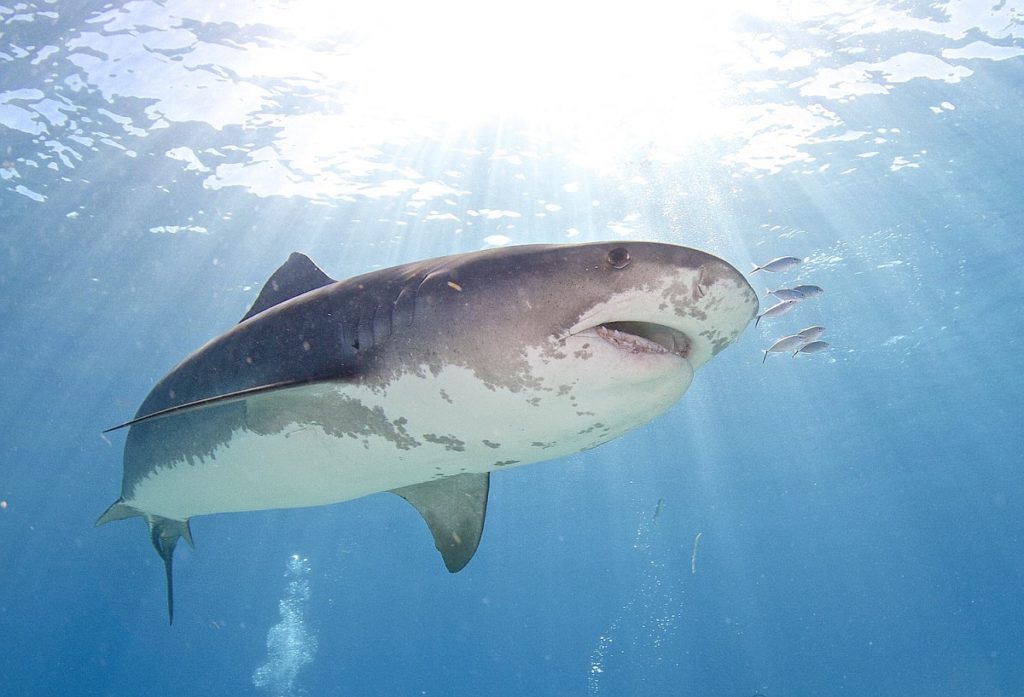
x,y
807,340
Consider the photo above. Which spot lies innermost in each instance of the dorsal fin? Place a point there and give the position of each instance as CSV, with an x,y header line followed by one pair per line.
x,y
296,276
454,509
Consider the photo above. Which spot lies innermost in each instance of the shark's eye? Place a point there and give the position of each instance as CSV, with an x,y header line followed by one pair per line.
x,y
618,258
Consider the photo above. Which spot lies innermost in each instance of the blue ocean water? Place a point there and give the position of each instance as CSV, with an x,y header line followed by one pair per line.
x,y
845,522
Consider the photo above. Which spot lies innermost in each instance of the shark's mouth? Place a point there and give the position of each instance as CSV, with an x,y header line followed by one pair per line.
x,y
645,337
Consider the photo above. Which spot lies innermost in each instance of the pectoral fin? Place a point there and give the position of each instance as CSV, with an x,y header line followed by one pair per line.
x,y
454,509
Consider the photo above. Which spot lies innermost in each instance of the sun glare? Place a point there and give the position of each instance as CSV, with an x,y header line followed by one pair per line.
x,y
602,80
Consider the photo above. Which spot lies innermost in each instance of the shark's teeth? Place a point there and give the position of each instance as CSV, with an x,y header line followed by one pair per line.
x,y
629,342
644,337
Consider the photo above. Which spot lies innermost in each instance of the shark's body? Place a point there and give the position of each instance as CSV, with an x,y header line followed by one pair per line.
x,y
423,378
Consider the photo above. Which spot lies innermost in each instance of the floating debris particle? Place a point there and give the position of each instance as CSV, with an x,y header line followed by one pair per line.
x,y
693,556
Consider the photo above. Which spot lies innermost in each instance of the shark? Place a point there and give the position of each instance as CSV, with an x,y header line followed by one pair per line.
x,y
423,379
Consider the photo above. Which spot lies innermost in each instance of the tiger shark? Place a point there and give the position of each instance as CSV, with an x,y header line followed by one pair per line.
x,y
421,380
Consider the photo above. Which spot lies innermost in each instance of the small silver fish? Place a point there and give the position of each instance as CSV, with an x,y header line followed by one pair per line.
x,y
813,347
777,264
786,343
812,333
786,293
810,291
779,308
658,508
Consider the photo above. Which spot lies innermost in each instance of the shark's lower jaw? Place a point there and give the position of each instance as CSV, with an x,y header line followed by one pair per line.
x,y
645,337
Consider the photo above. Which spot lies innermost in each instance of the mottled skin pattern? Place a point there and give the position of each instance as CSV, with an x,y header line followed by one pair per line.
x,y
482,311
423,378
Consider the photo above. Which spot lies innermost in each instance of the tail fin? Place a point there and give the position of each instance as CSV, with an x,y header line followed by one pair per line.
x,y
164,534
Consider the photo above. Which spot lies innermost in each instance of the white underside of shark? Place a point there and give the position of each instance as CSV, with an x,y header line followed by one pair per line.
x,y
459,424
